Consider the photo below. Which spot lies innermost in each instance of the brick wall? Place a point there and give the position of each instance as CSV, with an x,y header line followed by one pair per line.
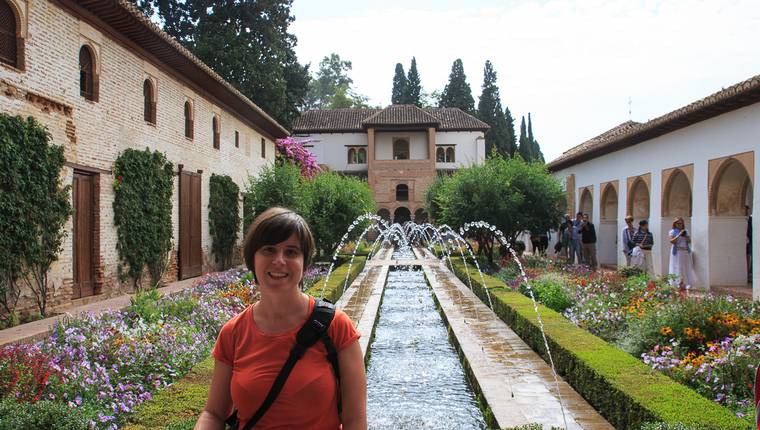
x,y
94,133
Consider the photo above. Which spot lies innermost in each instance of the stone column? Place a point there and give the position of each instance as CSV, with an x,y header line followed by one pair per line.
x,y
431,146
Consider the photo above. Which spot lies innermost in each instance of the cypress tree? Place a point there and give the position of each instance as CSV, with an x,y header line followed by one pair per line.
x,y
535,149
457,92
398,95
524,148
490,112
511,136
413,85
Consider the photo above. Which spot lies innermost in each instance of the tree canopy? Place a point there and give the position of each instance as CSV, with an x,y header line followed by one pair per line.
x,y
413,85
457,92
246,42
331,87
490,112
398,94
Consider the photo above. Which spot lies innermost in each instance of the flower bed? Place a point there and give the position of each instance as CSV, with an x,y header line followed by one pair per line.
x,y
102,366
711,344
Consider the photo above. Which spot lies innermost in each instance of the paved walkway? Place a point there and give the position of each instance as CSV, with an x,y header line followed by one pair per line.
x,y
37,330
517,384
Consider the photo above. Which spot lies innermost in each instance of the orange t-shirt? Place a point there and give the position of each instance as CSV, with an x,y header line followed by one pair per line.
x,y
309,398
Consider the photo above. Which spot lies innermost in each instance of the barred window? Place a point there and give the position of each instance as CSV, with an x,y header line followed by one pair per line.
x,y
87,78
361,156
8,35
351,156
149,105
188,119
215,130
400,149
402,192
449,155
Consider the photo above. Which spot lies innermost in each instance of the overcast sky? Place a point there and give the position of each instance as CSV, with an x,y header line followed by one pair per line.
x,y
572,64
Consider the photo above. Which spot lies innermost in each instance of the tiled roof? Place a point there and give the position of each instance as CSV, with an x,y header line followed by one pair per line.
x,y
356,120
630,133
124,17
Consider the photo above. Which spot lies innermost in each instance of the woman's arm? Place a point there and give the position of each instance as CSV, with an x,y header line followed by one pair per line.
x,y
353,387
671,238
219,402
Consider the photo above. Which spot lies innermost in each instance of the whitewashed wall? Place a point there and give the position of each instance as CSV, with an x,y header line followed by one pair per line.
x,y
332,149
718,242
469,148
418,144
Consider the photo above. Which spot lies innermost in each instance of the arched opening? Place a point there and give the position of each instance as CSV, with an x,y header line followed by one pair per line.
x,y
361,156
11,46
587,203
188,119
402,215
402,193
420,216
638,201
149,102
676,202
385,214
440,155
215,131
607,234
87,78
351,156
400,149
450,155
730,191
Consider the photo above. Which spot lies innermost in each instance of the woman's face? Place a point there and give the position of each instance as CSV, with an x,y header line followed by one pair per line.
x,y
279,265
679,225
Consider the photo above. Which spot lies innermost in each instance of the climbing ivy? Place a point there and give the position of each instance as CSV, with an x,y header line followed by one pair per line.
x,y
223,217
142,212
34,207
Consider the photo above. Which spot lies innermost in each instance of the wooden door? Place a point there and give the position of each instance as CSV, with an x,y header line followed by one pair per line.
x,y
190,258
84,225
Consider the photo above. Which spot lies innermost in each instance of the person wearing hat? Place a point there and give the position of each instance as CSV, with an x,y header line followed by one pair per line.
x,y
644,240
626,239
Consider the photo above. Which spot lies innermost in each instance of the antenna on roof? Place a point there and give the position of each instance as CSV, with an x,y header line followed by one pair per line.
x,y
629,109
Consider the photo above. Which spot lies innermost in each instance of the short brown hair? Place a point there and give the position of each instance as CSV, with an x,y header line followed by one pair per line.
x,y
273,226
628,218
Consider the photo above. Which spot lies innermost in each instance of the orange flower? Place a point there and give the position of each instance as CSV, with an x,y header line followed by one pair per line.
x,y
666,331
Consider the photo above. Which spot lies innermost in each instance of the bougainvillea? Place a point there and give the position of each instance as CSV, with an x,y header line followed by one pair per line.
x,y
294,151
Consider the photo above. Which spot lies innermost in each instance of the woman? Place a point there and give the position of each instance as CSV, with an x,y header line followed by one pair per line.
x,y
681,263
253,346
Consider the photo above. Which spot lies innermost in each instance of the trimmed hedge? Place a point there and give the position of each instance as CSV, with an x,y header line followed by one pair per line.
x,y
623,389
334,289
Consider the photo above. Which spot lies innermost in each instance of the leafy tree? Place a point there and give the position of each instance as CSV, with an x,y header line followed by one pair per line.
x,y
511,194
525,149
413,86
34,207
277,185
433,198
223,217
511,137
246,42
398,94
457,92
490,112
331,87
331,203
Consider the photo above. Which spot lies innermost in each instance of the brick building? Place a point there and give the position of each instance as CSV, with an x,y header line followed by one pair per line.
x,y
103,78
400,150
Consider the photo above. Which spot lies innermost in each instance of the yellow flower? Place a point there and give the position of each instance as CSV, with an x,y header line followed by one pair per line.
x,y
666,331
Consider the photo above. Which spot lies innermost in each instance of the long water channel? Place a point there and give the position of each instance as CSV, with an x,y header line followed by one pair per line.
x,y
414,377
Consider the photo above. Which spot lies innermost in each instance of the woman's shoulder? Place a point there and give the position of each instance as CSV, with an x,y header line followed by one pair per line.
x,y
241,319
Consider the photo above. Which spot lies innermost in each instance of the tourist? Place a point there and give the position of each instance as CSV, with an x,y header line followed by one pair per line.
x,y
626,239
588,242
543,242
681,265
644,240
575,256
748,214
563,237
257,342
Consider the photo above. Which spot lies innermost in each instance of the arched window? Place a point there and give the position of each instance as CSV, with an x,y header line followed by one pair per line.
x,y
149,102
351,156
188,119
440,155
361,156
449,155
88,82
402,192
11,43
215,130
400,149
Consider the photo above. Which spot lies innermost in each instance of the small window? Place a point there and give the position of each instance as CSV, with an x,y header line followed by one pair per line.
x,y
11,45
215,130
88,86
188,119
402,193
351,156
263,148
449,155
361,156
440,155
400,149
149,102
237,139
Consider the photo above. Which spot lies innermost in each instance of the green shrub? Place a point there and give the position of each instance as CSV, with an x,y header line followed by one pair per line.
x,y
223,217
145,304
629,271
43,415
549,293
666,426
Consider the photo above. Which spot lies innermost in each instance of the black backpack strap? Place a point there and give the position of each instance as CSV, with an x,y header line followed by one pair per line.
x,y
314,330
